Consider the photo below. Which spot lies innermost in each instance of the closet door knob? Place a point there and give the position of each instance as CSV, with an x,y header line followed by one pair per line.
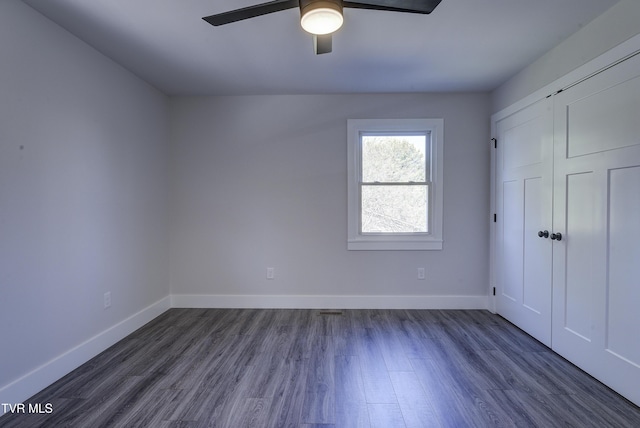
x,y
556,236
543,233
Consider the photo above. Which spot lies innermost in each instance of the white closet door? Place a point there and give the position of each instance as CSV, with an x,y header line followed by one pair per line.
x,y
523,198
596,265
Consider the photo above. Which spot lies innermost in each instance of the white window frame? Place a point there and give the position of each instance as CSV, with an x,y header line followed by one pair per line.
x,y
356,128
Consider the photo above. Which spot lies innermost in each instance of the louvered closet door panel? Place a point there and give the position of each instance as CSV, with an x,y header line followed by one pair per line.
x,y
523,197
596,265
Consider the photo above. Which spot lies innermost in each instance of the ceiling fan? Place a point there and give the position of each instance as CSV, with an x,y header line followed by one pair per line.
x,y
321,17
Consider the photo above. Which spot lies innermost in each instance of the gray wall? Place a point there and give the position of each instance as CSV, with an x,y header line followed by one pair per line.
x,y
260,181
93,162
83,192
619,23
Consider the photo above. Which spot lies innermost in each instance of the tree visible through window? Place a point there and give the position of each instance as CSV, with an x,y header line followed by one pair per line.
x,y
394,184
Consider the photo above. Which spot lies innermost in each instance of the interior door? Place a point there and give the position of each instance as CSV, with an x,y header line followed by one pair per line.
x,y
596,264
524,168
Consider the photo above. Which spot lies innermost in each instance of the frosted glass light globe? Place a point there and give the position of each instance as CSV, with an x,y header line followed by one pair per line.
x,y
322,20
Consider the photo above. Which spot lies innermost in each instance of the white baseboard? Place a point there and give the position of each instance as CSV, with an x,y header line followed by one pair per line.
x,y
43,376
328,302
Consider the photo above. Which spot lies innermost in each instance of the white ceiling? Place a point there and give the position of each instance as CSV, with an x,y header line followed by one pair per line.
x,y
464,45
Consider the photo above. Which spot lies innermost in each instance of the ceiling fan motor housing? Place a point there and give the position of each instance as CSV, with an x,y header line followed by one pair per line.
x,y
307,5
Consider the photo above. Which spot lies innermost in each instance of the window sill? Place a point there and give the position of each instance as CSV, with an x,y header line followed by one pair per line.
x,y
393,245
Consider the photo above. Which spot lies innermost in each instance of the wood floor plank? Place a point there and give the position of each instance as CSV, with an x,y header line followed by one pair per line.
x,y
300,327
411,337
345,333
107,407
249,412
319,400
519,405
375,377
451,349
389,344
386,415
451,408
195,368
351,401
469,388
286,407
191,368
262,377
149,412
509,339
464,327
509,375
417,410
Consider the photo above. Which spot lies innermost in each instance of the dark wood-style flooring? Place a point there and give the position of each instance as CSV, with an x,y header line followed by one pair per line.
x,y
304,368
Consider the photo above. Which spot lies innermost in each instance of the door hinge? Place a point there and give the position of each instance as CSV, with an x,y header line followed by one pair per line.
x,y
494,291
495,143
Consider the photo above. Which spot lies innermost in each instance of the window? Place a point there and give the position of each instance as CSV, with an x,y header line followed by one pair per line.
x,y
395,184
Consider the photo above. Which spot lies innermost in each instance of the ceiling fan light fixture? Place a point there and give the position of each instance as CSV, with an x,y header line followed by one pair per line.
x,y
321,16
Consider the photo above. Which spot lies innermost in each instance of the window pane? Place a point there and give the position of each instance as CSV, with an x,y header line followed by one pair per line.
x,y
394,209
389,158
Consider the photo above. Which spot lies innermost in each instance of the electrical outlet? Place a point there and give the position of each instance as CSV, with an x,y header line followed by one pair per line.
x,y
271,273
107,299
421,274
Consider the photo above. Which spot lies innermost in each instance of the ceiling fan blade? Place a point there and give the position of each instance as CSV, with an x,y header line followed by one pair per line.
x,y
410,6
322,43
250,12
